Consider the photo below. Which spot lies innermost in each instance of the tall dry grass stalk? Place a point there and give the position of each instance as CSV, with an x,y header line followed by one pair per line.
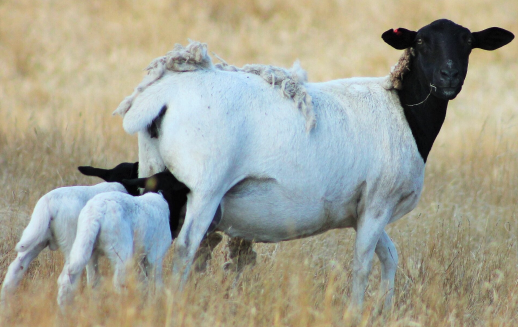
x,y
65,66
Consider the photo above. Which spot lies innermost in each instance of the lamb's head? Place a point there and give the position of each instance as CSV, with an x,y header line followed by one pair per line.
x,y
440,52
173,191
163,182
122,171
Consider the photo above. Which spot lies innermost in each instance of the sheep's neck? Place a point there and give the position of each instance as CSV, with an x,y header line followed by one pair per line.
x,y
424,112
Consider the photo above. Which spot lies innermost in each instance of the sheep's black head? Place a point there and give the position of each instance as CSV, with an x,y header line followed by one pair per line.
x,y
441,52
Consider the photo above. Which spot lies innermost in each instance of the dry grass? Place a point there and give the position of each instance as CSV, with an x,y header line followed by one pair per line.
x,y
65,66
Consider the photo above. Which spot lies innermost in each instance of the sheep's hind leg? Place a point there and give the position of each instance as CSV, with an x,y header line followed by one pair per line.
x,y
18,268
200,212
150,161
241,255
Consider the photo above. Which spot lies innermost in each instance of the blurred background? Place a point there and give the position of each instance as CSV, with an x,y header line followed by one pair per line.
x,y
66,65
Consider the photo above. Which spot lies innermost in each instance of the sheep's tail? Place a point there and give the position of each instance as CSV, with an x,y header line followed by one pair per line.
x,y
36,230
88,227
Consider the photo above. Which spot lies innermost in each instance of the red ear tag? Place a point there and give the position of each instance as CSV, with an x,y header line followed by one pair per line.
x,y
396,31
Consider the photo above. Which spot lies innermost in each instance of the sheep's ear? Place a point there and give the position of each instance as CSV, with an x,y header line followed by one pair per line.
x,y
399,38
491,38
91,171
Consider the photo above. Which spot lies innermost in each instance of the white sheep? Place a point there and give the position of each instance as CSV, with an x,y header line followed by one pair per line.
x,y
54,221
119,225
235,142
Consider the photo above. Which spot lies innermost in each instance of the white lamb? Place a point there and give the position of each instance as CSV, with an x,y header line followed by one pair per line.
x,y
54,222
118,225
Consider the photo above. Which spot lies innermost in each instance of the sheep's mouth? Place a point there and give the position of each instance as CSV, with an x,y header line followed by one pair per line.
x,y
447,93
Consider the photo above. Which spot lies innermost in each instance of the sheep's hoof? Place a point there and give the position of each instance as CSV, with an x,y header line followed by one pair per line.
x,y
239,262
204,253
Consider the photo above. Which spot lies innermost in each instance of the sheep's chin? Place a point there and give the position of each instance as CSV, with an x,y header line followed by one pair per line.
x,y
447,93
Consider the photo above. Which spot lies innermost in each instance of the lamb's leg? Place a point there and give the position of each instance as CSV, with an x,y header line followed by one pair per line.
x,y
18,268
153,269
119,276
120,255
92,270
200,212
387,254
67,285
155,262
158,274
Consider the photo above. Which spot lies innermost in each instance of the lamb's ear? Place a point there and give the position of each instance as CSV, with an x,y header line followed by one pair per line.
x,y
91,171
179,186
399,38
166,180
134,170
138,182
491,38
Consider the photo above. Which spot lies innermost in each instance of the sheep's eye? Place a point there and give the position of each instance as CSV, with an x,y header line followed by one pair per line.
x,y
470,40
419,41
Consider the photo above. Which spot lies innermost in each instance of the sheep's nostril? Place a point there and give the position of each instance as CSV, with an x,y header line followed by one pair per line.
x,y
454,73
449,73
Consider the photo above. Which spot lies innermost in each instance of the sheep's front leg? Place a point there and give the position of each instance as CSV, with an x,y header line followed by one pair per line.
x,y
18,268
200,212
368,232
387,254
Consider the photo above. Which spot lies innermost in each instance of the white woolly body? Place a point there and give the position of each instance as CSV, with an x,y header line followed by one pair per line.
x,y
118,226
53,224
222,128
235,141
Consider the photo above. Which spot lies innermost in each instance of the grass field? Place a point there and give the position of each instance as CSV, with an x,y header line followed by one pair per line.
x,y
66,65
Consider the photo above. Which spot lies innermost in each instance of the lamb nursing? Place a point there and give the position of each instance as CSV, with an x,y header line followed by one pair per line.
x,y
120,225
53,223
